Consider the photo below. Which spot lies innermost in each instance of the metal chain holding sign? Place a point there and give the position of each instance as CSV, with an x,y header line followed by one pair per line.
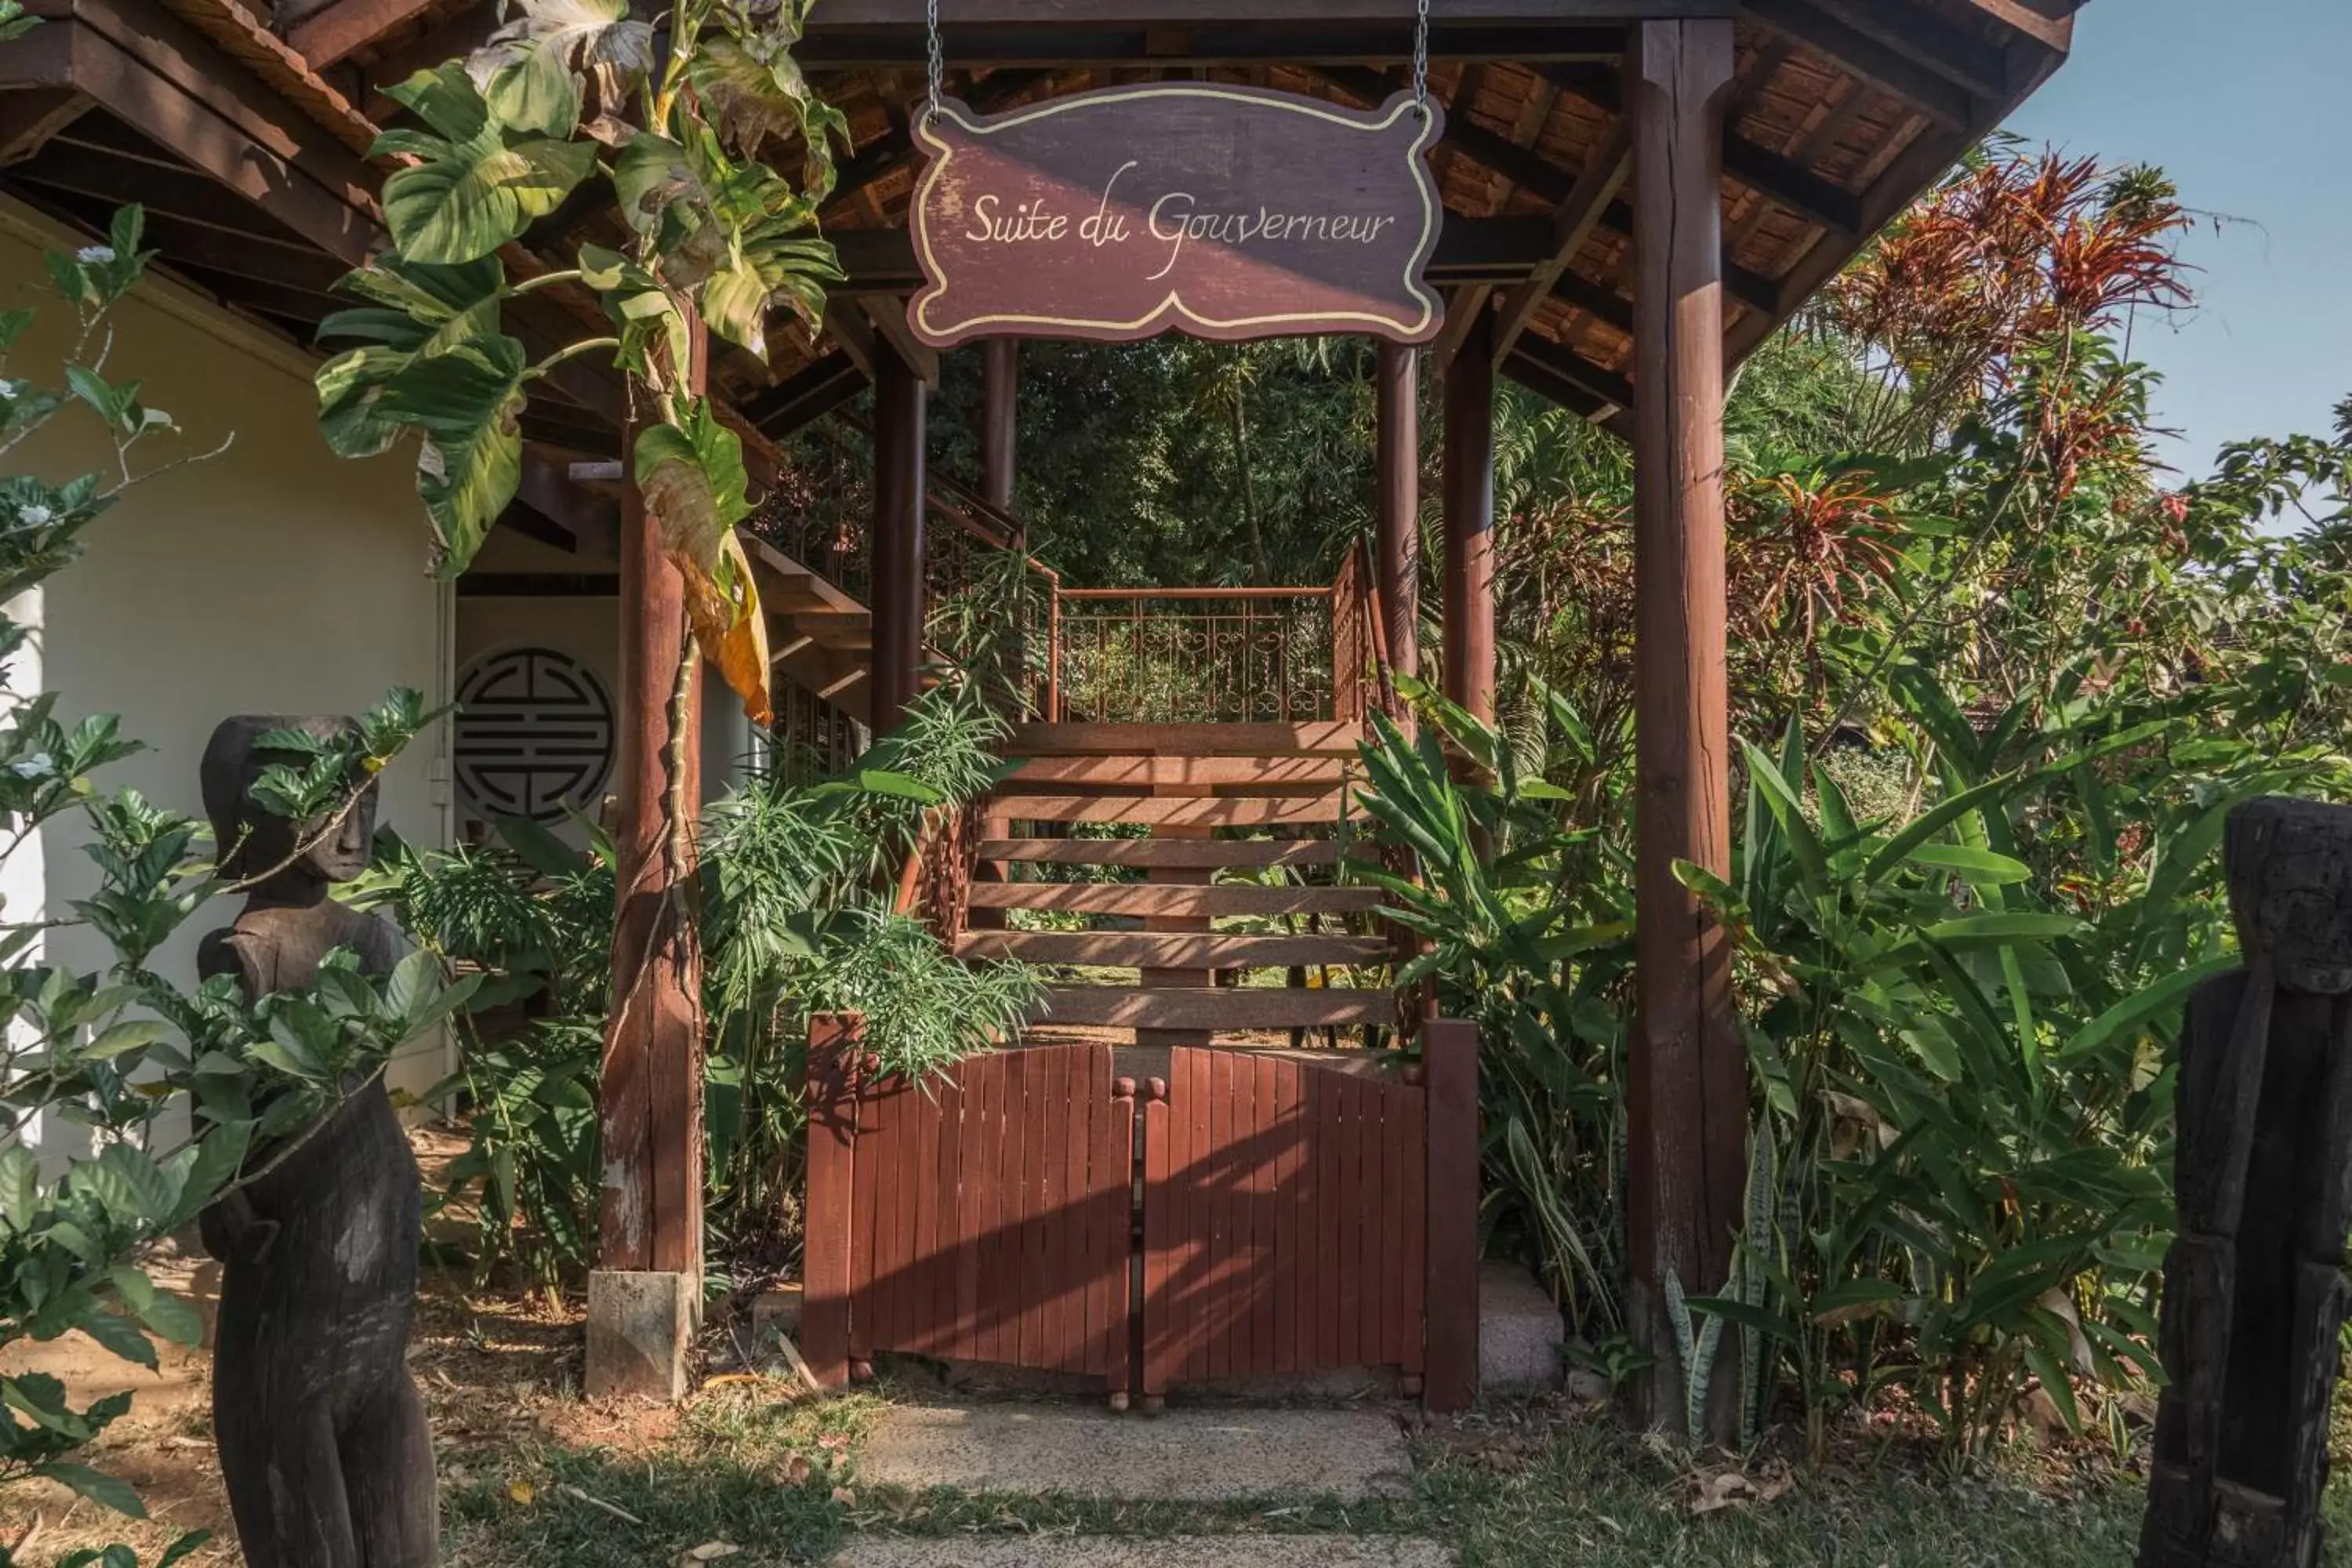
x,y
1420,57
936,58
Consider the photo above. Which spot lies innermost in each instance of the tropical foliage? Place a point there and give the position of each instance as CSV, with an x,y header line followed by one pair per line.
x,y
179,1094
2003,687
797,891
565,91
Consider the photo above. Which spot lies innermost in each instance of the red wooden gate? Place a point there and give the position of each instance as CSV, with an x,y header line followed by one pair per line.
x,y
988,1211
1284,1218
1299,1214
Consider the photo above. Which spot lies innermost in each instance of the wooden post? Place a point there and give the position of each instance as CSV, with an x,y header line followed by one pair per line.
x,y
1469,482
834,1041
1687,1079
1000,394
646,1296
1449,1061
1396,553
899,409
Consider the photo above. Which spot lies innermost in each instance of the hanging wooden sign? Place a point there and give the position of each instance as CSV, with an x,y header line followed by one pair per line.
x,y
1224,212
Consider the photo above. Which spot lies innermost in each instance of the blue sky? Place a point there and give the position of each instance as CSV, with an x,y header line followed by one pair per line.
x,y
2245,105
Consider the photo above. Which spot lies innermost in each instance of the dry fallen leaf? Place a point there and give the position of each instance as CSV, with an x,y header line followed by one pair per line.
x,y
708,1551
521,1491
845,1497
796,1470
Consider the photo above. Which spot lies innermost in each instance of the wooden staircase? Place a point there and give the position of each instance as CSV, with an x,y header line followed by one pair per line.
x,y
1196,788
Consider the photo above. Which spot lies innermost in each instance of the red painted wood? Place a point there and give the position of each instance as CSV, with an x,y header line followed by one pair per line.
x,y
1022,1130
1196,1284
1350,1328
1284,1130
1265,1161
1450,1064
1217,1169
922,1299
1159,1201
1331,1200
893,1216
1413,1218
948,1288
828,1206
1379,1238
863,1195
1063,1133
1094,1231
1116,1324
988,1318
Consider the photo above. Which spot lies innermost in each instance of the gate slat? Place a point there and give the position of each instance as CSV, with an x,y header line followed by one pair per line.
x,y
923,1188
1263,1159
989,1220
1285,1221
1378,1232
947,1276
1331,1213
1162,1196
1351,1219
1092,1190
1412,1272
965,1267
1025,1124
1190,1115
1118,1332
830,1248
1062,1130
1218,1172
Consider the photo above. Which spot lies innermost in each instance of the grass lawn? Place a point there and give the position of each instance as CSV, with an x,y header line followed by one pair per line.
x,y
1510,1489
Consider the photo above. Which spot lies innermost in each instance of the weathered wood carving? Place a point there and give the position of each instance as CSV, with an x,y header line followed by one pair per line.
x,y
2254,1287
1224,212
323,1441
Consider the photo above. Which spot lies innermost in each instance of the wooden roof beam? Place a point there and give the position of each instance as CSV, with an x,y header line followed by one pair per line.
x,y
1543,366
30,116
1889,69
335,30
1967,62
907,16
1578,215
806,396
1387,42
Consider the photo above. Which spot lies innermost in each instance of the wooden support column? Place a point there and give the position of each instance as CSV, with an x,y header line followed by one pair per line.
x,y
1396,548
900,406
1000,433
1000,430
645,1298
1687,1078
1449,1060
1469,482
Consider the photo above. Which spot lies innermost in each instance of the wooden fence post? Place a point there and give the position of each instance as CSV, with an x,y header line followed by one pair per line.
x,y
835,1040
1449,1059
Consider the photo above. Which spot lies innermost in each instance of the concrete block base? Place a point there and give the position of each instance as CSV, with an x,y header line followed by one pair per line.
x,y
641,1327
1519,1331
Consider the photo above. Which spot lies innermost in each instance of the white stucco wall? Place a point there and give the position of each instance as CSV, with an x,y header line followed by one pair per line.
x,y
274,577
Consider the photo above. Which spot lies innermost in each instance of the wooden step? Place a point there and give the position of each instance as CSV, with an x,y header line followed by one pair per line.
x,y
1161,811
1215,1008
1185,853
1320,738
1173,950
1183,776
1133,899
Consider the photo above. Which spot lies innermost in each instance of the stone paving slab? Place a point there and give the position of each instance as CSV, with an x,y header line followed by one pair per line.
x,y
1127,1551
1186,1455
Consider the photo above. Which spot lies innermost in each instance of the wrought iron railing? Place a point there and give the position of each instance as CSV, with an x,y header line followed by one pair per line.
x,y
1188,655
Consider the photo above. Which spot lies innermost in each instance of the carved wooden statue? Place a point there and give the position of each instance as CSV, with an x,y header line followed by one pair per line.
x,y
2254,1287
322,1438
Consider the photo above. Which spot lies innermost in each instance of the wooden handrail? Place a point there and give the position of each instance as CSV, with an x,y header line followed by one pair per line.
x,y
1324,592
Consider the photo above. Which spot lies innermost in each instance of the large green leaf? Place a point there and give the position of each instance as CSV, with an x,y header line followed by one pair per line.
x,y
531,63
467,404
693,479
474,187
